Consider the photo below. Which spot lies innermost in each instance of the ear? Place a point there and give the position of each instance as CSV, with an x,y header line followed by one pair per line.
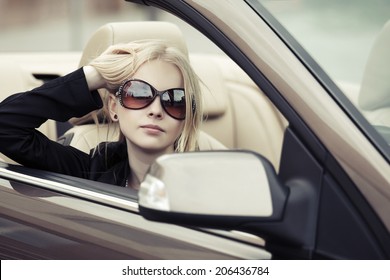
x,y
112,107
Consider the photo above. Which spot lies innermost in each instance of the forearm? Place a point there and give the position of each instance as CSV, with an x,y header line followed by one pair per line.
x,y
59,99
21,113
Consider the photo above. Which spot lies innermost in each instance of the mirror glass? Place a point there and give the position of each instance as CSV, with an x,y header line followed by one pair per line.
x,y
208,183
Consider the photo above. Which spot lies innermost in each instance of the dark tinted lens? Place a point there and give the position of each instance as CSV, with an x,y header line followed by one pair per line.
x,y
174,103
136,95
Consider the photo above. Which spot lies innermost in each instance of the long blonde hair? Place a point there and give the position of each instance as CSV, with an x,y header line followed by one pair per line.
x,y
120,62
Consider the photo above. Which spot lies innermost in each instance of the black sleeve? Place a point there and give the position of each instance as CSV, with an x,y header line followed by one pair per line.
x,y
22,113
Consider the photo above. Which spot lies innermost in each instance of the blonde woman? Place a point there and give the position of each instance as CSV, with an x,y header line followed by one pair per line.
x,y
151,92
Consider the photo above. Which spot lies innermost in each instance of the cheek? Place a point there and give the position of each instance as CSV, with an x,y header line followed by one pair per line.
x,y
177,128
127,118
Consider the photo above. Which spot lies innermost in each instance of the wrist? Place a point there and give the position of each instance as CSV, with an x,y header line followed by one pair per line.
x,y
93,77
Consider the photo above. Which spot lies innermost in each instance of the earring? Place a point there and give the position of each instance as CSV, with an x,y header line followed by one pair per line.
x,y
115,117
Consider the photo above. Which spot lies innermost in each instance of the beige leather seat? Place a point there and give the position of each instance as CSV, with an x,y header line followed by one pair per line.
x,y
237,114
15,79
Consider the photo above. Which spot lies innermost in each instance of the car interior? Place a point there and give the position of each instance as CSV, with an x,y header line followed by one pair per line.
x,y
237,115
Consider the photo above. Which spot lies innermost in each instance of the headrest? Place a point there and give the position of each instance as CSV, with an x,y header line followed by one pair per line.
x,y
375,89
124,32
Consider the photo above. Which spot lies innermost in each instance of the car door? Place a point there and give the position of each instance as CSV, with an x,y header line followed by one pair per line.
x,y
51,216
334,164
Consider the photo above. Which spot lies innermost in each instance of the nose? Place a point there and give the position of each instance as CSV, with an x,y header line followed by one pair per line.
x,y
155,109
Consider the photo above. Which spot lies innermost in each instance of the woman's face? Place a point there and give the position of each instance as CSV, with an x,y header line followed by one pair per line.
x,y
151,129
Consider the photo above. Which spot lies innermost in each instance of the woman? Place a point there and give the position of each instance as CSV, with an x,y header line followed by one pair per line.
x,y
152,93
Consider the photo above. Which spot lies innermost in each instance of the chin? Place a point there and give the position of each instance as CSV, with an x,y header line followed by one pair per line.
x,y
157,149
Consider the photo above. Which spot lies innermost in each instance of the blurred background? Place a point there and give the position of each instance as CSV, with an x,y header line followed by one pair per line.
x,y
65,25
337,33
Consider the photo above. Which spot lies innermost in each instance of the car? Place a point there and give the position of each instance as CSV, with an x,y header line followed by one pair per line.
x,y
302,106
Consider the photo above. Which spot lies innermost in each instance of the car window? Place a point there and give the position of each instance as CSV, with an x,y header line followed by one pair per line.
x,y
350,41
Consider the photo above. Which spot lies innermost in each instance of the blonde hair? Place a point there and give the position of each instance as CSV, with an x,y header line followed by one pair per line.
x,y
120,62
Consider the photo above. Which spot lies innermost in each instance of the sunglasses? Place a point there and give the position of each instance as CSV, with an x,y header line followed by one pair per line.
x,y
137,94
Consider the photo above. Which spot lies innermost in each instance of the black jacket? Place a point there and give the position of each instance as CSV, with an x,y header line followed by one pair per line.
x,y
60,100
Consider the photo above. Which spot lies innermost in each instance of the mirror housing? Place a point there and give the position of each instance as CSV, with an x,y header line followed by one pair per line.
x,y
216,189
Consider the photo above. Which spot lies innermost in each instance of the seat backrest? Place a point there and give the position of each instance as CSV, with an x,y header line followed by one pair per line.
x,y
240,115
237,114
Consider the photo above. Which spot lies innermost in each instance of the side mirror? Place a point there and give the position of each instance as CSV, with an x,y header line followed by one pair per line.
x,y
217,189
232,190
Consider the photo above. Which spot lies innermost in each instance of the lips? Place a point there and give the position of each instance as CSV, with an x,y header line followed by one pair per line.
x,y
152,127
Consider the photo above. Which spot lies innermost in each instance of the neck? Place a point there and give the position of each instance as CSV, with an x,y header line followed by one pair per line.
x,y
140,161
